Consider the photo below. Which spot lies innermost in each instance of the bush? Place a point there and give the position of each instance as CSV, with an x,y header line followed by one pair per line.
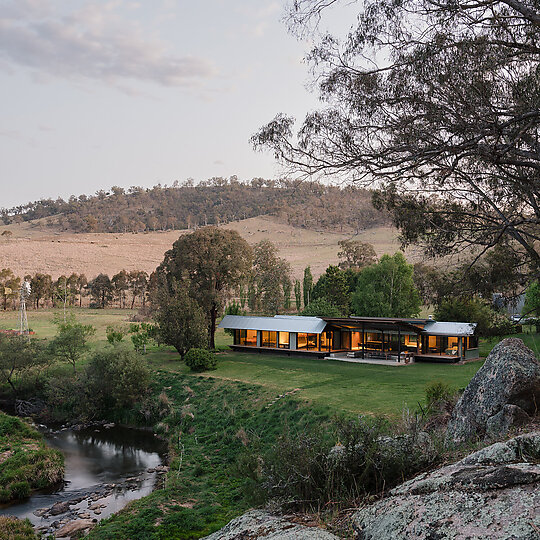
x,y
115,379
200,360
438,392
360,457
16,529
115,334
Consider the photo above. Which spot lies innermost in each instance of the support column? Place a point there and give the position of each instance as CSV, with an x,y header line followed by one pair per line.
x,y
259,338
460,347
363,341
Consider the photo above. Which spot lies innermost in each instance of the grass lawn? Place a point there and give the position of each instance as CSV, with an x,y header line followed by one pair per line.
x,y
356,388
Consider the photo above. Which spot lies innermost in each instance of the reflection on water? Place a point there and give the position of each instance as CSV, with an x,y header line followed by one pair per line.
x,y
95,457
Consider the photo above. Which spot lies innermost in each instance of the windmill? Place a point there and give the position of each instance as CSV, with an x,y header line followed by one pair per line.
x,y
24,295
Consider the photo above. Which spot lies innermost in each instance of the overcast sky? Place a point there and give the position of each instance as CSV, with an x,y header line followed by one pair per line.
x,y
122,92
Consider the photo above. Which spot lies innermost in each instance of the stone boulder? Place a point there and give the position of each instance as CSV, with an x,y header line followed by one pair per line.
x,y
75,527
493,493
259,524
510,376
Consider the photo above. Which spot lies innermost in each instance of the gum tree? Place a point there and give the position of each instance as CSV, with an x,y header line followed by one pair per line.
x,y
209,263
437,104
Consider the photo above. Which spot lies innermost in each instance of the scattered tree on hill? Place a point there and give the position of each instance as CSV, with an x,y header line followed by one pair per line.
x,y
307,285
218,200
210,262
356,254
386,289
181,321
71,341
101,290
436,102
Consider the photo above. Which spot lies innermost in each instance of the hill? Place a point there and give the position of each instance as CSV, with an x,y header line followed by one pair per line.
x,y
215,202
36,247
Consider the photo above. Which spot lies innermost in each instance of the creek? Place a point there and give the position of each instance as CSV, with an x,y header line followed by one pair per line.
x,y
105,468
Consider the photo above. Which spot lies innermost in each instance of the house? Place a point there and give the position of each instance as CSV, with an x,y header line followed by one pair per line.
x,y
364,337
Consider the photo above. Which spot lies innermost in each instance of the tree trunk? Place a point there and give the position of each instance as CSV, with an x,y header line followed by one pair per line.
x,y
213,317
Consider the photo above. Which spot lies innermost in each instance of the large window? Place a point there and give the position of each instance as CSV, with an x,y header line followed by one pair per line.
x,y
307,341
374,341
269,339
284,340
247,338
326,341
356,340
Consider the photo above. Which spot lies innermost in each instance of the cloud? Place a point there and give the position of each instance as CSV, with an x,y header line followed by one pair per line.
x,y
93,42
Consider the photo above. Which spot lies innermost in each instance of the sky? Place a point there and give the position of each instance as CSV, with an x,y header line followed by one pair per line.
x,y
134,93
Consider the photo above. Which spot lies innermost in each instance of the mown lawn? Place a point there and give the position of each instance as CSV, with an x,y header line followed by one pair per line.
x,y
356,388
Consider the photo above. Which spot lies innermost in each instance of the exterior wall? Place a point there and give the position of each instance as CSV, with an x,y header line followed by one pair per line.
x,y
471,353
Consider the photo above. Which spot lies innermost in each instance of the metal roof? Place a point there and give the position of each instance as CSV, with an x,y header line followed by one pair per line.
x,y
437,328
279,323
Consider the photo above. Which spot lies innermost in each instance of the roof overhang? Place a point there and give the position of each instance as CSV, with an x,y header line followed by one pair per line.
x,y
308,325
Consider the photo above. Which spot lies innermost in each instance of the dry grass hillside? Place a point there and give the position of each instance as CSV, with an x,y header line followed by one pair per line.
x,y
34,247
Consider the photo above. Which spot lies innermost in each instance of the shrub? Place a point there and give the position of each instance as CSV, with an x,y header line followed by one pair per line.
x,y
115,335
437,392
200,360
361,457
16,529
115,379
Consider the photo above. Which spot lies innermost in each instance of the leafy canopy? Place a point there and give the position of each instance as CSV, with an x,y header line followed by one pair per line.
x,y
437,105
386,289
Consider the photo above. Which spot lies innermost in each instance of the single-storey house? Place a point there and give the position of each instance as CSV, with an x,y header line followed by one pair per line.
x,y
363,337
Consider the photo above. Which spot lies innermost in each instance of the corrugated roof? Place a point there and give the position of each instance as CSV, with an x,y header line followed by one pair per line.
x,y
279,323
438,328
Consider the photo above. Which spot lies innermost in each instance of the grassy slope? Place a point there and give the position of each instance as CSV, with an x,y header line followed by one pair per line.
x,y
15,529
211,424
26,462
37,248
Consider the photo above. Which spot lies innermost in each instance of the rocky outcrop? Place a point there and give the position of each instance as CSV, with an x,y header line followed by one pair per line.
x,y
258,524
504,391
492,493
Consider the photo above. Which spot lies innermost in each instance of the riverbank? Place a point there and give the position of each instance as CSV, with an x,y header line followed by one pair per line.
x,y
106,466
27,463
215,430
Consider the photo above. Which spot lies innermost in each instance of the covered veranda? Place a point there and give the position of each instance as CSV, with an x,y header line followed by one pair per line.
x,y
377,339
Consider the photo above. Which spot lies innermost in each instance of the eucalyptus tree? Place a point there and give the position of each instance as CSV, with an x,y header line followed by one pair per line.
x,y
210,263
435,103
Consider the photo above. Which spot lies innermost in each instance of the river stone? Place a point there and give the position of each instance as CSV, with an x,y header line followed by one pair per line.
x,y
259,524
73,527
59,508
485,495
509,376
